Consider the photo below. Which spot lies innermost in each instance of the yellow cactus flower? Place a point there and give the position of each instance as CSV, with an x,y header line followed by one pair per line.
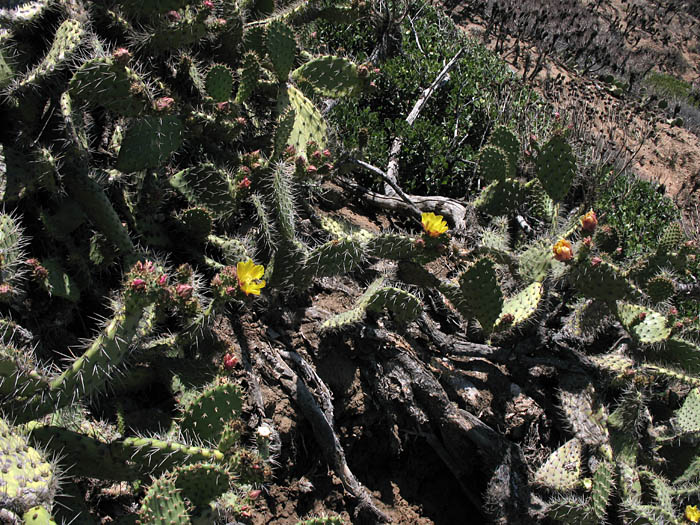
x,y
562,250
249,275
434,225
692,513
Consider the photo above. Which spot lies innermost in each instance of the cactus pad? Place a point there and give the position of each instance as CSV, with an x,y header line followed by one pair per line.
x,y
520,308
501,197
103,82
164,504
219,83
480,288
330,76
207,414
308,122
281,48
556,167
645,325
562,469
493,164
149,142
503,138
27,478
688,416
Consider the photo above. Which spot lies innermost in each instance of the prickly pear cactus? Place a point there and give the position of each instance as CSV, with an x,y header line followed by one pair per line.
x,y
28,480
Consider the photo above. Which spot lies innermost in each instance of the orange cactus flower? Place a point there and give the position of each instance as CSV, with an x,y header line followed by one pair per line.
x,y
589,221
434,225
562,250
249,275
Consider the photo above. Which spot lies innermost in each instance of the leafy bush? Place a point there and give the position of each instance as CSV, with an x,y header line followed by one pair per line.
x,y
438,151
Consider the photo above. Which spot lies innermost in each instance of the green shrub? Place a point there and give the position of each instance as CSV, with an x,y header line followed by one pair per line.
x,y
438,151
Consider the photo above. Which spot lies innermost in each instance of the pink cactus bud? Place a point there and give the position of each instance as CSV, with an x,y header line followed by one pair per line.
x,y
230,361
587,242
164,103
327,153
595,261
138,285
172,16
507,318
184,291
5,292
419,243
121,55
316,156
241,121
290,151
254,494
673,311
245,183
223,107
311,169
231,291
208,4
163,280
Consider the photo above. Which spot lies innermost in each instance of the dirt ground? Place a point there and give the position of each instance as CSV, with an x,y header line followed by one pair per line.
x,y
622,126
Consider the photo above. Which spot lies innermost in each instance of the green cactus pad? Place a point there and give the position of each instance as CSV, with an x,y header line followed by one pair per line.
x,y
150,8
219,83
66,43
501,197
330,76
206,416
251,73
334,258
614,362
27,480
539,204
587,423
520,308
149,142
202,483
105,83
601,491
645,325
535,262
309,124
196,223
587,317
660,288
164,504
503,138
671,239
493,164
572,511
482,292
358,312
37,516
206,186
19,374
392,246
606,238
404,305
688,416
562,469
556,167
60,284
281,48
339,229
602,281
